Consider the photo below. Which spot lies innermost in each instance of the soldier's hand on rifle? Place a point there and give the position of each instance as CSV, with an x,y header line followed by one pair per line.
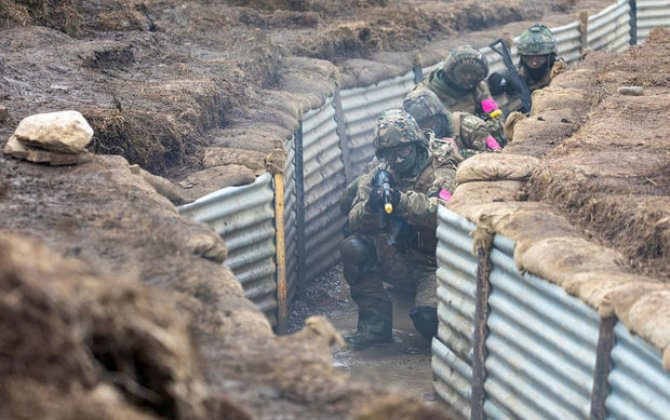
x,y
383,196
380,198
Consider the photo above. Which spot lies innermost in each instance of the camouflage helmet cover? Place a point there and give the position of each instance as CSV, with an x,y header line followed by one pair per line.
x,y
466,55
536,40
423,103
394,128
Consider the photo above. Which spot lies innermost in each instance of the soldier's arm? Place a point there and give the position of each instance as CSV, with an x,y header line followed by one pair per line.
x,y
558,67
474,132
361,217
420,208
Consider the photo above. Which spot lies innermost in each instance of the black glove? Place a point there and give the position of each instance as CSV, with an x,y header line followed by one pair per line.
x,y
380,196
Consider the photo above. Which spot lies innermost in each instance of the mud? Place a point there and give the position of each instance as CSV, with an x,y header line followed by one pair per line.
x,y
403,365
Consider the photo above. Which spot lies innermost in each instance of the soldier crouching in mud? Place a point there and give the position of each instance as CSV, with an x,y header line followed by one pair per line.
x,y
394,220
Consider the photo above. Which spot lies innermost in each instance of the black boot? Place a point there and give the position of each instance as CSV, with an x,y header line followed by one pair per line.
x,y
374,326
425,320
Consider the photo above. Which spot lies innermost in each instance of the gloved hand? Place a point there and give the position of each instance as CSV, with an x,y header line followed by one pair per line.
x,y
379,197
491,108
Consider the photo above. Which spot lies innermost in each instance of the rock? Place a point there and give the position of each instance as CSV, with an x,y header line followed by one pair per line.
x,y
63,132
18,150
631,90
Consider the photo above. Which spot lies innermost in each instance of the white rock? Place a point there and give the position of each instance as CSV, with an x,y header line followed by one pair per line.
x,y
64,131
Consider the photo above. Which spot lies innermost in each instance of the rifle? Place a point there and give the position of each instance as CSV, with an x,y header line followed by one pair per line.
x,y
388,222
513,73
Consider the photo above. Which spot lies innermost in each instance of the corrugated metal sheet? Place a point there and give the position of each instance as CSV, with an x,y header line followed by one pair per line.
x,y
290,221
568,42
639,387
541,345
362,106
651,14
324,182
609,30
244,218
456,290
451,378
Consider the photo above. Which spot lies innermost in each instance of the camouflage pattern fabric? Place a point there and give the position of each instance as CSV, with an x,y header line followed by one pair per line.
x,y
537,40
535,83
455,100
453,96
468,133
423,103
469,57
394,128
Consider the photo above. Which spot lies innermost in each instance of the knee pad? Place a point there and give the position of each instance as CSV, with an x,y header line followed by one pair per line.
x,y
425,320
358,257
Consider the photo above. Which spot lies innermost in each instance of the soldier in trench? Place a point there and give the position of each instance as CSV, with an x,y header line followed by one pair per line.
x,y
466,134
403,255
538,65
460,84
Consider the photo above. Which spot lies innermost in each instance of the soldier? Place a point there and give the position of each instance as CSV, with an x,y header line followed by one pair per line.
x,y
460,83
470,134
538,62
420,179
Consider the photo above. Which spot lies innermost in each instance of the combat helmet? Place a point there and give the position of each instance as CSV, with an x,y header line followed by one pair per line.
x,y
394,128
466,55
423,103
536,40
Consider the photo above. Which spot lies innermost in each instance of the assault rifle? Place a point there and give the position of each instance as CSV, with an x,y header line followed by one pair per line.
x,y
389,222
514,75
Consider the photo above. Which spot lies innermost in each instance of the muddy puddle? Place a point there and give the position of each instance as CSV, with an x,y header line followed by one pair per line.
x,y
403,365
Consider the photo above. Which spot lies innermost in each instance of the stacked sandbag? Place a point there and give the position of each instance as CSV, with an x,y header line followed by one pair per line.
x,y
598,224
243,150
492,177
558,111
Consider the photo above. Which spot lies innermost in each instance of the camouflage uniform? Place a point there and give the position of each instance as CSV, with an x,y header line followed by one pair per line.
x,y
453,95
470,134
367,256
537,40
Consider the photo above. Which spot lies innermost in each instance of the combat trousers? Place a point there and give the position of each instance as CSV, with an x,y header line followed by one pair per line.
x,y
410,271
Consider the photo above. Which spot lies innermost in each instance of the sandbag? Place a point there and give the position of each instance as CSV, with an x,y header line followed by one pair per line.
x,y
487,191
559,259
495,166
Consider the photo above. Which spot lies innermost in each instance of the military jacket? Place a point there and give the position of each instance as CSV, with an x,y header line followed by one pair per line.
x,y
468,101
420,195
535,84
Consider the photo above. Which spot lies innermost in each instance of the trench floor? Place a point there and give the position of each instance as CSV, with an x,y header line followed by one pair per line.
x,y
403,365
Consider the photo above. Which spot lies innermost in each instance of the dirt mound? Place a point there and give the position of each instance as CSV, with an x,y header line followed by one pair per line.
x,y
61,15
612,175
67,328
154,77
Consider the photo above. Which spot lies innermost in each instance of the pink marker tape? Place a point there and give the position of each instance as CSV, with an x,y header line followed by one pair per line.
x,y
492,143
445,195
489,105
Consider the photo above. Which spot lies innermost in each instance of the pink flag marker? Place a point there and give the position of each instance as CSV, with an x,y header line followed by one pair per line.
x,y
489,105
492,143
445,195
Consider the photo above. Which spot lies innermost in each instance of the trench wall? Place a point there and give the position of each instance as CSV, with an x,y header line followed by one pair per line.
x,y
509,344
513,345
330,148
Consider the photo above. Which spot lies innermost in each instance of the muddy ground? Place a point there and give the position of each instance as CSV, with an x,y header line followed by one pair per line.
x,y
162,81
